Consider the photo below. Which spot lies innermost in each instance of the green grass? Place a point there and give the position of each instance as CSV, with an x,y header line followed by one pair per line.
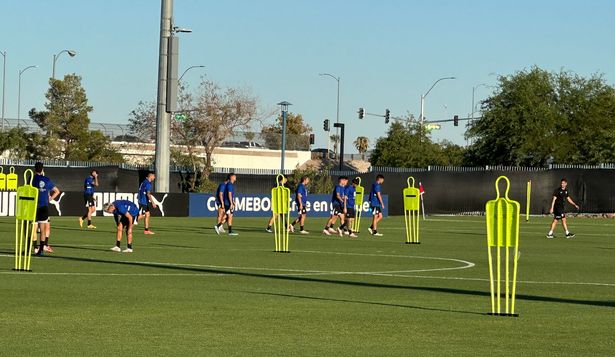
x,y
187,291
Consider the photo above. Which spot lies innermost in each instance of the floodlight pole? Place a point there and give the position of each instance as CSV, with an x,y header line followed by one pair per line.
x,y
163,118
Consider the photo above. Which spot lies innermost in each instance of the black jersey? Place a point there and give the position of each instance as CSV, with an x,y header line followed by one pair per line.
x,y
561,196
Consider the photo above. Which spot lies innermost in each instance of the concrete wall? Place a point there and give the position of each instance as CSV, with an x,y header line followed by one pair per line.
x,y
239,158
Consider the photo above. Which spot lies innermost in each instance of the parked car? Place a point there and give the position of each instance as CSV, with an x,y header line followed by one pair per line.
x,y
231,144
251,144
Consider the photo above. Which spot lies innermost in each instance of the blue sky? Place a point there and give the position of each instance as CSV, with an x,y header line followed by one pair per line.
x,y
387,52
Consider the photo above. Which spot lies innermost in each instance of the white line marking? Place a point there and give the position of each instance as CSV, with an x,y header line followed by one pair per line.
x,y
303,272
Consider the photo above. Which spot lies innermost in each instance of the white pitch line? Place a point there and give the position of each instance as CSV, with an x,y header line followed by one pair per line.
x,y
302,272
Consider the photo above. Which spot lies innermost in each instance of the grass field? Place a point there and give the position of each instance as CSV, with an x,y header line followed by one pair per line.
x,y
187,291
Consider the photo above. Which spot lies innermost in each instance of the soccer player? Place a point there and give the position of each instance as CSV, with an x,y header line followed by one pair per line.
x,y
229,202
47,191
125,214
145,200
219,227
376,204
560,197
301,200
350,193
88,196
338,203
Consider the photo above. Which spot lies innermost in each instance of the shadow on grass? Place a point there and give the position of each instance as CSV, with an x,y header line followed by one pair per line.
x,y
455,291
317,298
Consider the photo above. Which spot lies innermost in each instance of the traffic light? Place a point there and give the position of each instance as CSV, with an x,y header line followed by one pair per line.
x,y
326,126
387,116
312,139
361,113
456,120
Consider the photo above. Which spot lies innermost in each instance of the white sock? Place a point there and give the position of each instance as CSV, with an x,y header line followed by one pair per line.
x,y
567,232
550,233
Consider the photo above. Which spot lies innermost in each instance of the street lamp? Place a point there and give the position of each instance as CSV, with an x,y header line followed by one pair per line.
x,y
3,85
422,118
284,107
19,91
337,116
187,69
71,53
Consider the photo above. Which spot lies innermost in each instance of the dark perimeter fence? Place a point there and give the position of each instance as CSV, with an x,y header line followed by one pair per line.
x,y
448,190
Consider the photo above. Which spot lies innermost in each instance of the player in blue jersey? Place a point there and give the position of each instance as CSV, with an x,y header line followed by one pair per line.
x,y
338,207
47,191
125,214
301,201
350,193
91,182
376,204
146,201
219,227
228,200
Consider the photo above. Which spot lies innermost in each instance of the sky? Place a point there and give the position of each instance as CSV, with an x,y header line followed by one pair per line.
x,y
386,52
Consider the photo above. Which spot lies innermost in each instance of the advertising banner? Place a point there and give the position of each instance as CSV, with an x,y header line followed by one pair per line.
x,y
246,205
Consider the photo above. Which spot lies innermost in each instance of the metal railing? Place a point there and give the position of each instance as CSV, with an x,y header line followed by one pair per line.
x,y
247,171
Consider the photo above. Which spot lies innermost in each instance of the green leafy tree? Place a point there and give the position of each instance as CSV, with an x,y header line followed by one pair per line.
x,y
16,142
536,117
407,145
297,133
65,124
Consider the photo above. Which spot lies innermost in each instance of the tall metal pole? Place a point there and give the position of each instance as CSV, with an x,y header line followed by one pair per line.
x,y
422,110
337,119
338,79
425,95
284,107
283,141
3,85
71,53
19,99
53,67
163,119
19,91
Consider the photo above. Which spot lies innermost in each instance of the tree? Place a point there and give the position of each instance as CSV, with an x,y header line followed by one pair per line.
x,y
409,145
142,121
212,113
362,144
336,141
65,124
297,133
536,117
16,143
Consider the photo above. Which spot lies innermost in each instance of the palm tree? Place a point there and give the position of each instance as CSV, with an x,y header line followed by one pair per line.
x,y
362,144
336,140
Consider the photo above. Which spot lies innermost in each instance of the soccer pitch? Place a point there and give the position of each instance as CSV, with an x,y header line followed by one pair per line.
x,y
186,291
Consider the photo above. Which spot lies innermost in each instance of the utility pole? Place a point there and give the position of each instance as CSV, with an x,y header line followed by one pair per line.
x,y
163,119
342,134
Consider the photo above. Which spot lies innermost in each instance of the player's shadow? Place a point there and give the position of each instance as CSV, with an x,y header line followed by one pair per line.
x,y
610,303
318,298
